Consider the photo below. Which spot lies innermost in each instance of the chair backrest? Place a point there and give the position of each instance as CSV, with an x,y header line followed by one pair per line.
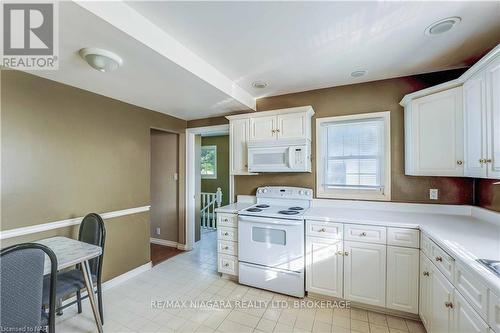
x,y
92,231
21,287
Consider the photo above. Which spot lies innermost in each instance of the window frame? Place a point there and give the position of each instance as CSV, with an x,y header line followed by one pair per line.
x,y
205,176
350,193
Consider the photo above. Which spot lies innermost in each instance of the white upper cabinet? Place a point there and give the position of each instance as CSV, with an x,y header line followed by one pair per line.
x,y
434,134
263,128
450,135
294,126
238,138
475,126
493,119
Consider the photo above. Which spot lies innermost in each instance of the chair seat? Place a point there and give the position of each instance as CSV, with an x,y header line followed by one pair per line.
x,y
67,283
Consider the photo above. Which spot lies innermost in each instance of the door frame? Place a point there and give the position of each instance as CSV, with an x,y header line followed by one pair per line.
x,y
191,178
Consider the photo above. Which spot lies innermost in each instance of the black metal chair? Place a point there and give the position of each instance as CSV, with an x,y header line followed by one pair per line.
x,y
21,287
70,282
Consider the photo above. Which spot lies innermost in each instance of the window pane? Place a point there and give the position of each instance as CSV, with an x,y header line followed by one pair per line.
x,y
208,160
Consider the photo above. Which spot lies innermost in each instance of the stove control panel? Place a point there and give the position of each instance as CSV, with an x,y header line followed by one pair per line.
x,y
285,192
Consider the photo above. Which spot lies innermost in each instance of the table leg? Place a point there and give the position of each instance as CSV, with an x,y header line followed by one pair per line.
x,y
90,290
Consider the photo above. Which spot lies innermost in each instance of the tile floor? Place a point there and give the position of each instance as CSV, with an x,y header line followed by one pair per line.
x,y
191,276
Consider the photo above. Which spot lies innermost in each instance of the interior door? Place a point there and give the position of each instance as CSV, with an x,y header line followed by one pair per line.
x,y
263,128
324,266
475,126
365,273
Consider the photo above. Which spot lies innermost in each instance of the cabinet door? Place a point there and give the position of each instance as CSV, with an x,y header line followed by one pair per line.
x,y
402,279
493,119
425,291
238,146
324,263
465,318
365,273
437,134
475,126
263,128
441,292
292,126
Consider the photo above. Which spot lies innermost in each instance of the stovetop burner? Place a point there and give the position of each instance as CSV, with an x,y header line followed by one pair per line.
x,y
296,208
288,212
262,206
254,210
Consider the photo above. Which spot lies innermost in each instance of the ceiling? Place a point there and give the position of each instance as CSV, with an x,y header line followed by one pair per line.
x,y
198,59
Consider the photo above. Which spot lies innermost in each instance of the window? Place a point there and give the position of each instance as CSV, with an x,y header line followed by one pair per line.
x,y
209,162
353,156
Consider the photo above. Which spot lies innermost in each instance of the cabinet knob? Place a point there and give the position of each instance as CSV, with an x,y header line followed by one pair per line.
x,y
488,160
346,253
226,220
439,259
425,273
482,160
278,130
448,305
274,131
363,234
339,253
226,264
322,230
460,162
226,234
226,247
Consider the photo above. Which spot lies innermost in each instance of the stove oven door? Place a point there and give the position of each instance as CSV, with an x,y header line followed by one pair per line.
x,y
272,242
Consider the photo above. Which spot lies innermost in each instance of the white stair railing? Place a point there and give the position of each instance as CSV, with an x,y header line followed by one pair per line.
x,y
209,202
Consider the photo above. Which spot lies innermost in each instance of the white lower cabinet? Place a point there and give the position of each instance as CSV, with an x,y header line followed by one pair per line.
x,y
424,304
440,302
227,243
365,272
324,266
465,318
402,279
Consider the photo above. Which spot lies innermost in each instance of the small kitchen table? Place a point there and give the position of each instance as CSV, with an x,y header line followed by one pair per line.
x,y
70,252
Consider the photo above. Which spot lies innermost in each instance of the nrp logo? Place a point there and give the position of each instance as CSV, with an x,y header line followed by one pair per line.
x,y
30,38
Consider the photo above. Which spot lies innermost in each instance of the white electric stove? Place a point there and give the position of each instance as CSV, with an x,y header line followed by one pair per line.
x,y
271,240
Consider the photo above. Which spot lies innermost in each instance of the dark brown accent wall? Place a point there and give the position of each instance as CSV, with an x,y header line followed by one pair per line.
x,y
67,152
487,194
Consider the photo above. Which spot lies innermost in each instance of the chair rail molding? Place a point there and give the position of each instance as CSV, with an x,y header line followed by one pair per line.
x,y
4,234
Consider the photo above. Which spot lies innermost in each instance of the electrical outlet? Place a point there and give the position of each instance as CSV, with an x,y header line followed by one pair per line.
x,y
433,193
157,231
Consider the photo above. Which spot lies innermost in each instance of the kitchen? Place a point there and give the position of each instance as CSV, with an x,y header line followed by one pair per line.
x,y
364,167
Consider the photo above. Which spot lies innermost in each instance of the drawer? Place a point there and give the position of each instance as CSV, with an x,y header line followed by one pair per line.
x,y
426,245
227,247
365,233
403,237
443,261
227,220
494,315
228,264
227,234
473,290
324,229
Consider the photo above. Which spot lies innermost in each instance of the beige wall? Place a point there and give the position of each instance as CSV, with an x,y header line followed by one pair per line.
x,y
67,152
222,181
163,185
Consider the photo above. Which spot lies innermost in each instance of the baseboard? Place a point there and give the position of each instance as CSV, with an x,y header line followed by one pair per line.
x,y
163,242
183,247
117,280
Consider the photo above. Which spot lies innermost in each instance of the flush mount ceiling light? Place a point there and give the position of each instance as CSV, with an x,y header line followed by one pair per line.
x,y
442,26
259,84
102,60
358,73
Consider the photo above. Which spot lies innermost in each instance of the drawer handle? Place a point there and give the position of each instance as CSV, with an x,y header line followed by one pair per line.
x,y
226,234
460,162
322,230
346,253
448,305
425,273
226,220
226,264
363,234
439,259
226,247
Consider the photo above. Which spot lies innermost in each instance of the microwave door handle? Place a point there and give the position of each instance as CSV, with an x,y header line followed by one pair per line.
x,y
291,157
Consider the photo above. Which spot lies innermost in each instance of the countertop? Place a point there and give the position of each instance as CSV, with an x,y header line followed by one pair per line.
x,y
234,207
464,237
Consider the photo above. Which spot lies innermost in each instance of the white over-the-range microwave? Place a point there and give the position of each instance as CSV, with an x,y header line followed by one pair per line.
x,y
279,156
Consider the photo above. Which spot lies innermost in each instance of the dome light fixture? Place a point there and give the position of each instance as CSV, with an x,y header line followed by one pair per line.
x,y
358,73
102,60
259,84
442,26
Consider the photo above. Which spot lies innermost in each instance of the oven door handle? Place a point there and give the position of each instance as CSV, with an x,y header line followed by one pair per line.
x,y
269,221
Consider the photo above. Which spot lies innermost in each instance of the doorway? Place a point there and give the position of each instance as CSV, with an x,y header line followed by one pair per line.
x,y
164,193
